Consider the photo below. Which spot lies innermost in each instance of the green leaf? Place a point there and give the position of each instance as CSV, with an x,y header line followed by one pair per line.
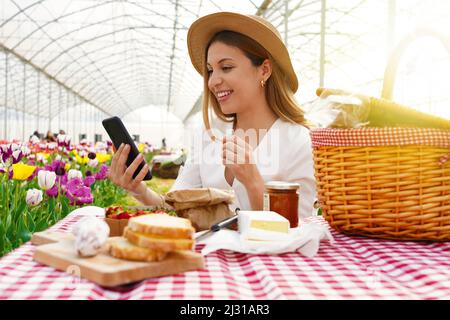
x,y
10,228
23,234
30,222
20,208
41,225
64,206
2,239
51,205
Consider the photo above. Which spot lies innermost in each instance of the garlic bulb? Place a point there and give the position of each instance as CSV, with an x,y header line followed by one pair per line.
x,y
91,235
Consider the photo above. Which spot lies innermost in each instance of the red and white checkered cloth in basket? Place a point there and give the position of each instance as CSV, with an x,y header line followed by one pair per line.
x,y
370,137
354,268
380,137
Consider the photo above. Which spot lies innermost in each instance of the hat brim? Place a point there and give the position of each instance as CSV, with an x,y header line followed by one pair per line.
x,y
202,30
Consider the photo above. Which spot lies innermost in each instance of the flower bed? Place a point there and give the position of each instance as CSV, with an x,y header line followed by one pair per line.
x,y
40,183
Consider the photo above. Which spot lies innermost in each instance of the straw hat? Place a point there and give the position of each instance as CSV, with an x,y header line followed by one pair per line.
x,y
254,27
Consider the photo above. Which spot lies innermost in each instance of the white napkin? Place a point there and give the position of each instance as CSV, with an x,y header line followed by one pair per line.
x,y
304,239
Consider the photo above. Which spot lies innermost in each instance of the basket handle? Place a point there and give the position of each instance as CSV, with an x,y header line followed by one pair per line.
x,y
393,62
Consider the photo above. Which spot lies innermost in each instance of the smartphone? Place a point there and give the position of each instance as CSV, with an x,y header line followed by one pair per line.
x,y
119,134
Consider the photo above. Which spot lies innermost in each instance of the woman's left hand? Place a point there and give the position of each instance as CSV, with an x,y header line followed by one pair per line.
x,y
237,155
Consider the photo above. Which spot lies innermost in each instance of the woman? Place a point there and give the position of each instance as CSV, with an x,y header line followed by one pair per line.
x,y
50,137
250,83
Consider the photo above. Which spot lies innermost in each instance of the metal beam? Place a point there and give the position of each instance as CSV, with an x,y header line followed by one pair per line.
x,y
322,42
42,71
172,57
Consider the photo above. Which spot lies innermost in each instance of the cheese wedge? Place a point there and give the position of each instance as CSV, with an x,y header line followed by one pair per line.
x,y
263,226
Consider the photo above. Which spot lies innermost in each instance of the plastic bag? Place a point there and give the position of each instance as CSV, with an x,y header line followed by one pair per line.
x,y
337,111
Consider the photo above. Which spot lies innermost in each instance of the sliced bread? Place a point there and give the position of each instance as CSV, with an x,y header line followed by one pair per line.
x,y
157,242
162,225
120,248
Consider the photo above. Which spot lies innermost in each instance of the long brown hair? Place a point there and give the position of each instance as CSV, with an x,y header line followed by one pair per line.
x,y
279,95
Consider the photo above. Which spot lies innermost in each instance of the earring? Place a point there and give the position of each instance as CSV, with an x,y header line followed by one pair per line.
x,y
263,83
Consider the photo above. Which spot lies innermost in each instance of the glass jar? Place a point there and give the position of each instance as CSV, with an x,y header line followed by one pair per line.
x,y
282,198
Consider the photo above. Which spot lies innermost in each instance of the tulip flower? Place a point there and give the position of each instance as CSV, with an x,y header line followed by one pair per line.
x,y
34,140
93,163
81,160
101,157
72,174
52,192
34,197
22,171
6,152
16,156
102,174
89,180
46,179
78,193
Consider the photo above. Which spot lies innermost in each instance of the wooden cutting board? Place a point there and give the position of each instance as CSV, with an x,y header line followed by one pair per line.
x,y
45,237
108,271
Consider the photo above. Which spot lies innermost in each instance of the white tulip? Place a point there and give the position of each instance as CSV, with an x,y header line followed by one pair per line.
x,y
41,158
25,150
93,163
34,140
61,137
34,197
46,179
15,146
72,174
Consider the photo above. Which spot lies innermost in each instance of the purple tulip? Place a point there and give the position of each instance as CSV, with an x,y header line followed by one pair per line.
x,y
6,152
102,174
88,181
53,191
62,180
77,193
16,155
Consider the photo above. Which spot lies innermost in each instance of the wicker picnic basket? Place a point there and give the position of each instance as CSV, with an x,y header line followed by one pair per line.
x,y
385,182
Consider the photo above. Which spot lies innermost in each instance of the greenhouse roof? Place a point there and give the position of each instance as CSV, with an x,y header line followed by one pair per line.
x,y
119,56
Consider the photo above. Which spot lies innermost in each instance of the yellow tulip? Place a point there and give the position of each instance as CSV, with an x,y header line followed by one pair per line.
x,y
44,155
81,160
67,166
101,157
141,147
22,171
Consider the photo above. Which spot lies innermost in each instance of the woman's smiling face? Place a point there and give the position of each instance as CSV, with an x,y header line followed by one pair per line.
x,y
233,79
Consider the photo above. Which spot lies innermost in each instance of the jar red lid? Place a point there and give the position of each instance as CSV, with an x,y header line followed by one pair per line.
x,y
281,185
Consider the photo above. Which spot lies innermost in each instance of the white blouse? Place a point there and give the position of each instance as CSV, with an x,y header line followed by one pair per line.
x,y
283,154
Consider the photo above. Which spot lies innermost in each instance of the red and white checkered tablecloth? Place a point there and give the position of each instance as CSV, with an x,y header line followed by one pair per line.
x,y
354,268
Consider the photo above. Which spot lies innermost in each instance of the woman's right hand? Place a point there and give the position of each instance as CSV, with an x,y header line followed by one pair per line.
x,y
122,176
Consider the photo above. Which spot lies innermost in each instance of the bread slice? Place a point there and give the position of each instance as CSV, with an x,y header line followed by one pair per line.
x,y
157,242
120,248
162,225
